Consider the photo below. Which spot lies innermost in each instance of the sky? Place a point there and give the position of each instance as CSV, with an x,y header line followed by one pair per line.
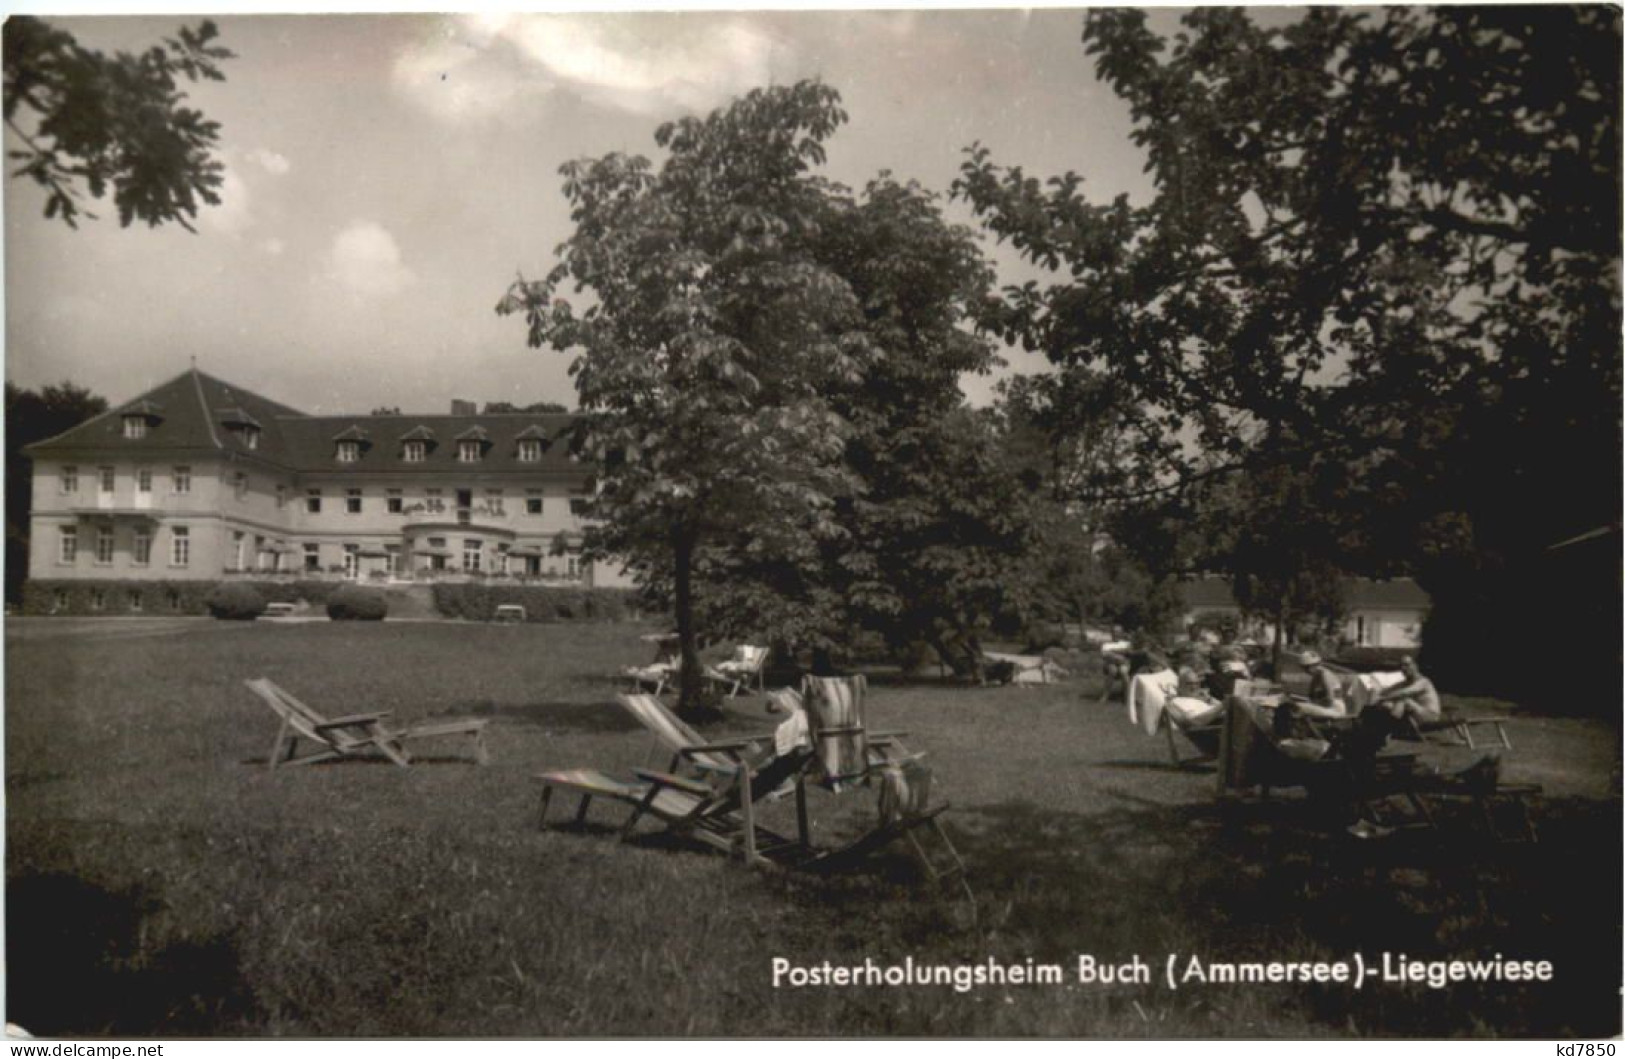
x,y
387,176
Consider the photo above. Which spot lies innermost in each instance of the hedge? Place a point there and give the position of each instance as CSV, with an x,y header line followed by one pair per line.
x,y
478,601
355,603
236,601
158,597
473,600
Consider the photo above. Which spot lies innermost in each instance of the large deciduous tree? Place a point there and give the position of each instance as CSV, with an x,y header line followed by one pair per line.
x,y
1384,238
86,122
709,335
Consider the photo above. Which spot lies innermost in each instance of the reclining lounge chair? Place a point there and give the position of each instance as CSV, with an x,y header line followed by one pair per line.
x,y
354,735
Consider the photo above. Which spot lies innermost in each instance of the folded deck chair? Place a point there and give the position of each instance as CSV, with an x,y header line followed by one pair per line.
x,y
353,735
739,672
720,813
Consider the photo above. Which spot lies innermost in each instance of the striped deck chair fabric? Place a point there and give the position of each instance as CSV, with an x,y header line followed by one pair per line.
x,y
835,717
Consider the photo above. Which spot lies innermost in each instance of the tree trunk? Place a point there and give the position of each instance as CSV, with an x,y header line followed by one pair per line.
x,y
1276,649
688,652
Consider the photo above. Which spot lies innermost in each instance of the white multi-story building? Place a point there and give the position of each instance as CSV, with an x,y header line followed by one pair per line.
x,y
201,479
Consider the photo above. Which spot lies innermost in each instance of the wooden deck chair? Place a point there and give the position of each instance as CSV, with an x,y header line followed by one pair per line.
x,y
748,665
1457,730
1203,737
659,675
675,737
352,735
721,814
847,753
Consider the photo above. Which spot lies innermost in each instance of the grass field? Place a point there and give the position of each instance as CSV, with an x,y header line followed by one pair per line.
x,y
161,881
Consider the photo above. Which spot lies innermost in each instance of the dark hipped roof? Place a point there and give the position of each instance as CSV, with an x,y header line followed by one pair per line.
x,y
184,413
189,412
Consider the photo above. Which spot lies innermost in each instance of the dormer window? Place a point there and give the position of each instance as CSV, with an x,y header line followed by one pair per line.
x,y
348,443
244,427
471,445
139,418
415,451
530,450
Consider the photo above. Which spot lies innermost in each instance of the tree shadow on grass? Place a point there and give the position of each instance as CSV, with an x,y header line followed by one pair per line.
x,y
563,716
79,961
1276,881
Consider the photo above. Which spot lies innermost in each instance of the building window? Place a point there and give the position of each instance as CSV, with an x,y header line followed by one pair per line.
x,y
392,501
281,496
135,427
352,501
135,602
414,451
313,557
183,479
143,480
530,450
70,479
251,437
471,555
349,451
572,567
240,484
533,502
67,544
578,505
104,546
98,599
239,545
180,546
493,501
392,558
141,548
59,600
437,542
104,479
173,598
313,501
468,451
352,561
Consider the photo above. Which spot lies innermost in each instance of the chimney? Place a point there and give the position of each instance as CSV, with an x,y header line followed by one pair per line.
x,y
460,407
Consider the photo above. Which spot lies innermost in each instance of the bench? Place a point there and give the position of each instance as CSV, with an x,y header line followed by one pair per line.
x,y
278,610
509,612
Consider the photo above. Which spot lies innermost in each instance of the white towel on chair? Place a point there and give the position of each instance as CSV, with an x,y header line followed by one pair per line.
x,y
1148,695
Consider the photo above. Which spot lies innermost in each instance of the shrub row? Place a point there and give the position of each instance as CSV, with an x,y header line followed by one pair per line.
x,y
161,597
478,601
474,601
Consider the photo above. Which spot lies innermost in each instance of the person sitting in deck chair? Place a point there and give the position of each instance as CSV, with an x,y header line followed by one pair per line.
x,y
1326,697
1390,711
1192,705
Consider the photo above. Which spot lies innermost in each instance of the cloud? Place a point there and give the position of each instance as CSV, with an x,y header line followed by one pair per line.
x,y
234,214
365,260
270,161
273,246
642,63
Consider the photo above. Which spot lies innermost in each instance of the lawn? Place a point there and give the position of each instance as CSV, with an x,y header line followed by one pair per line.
x,y
161,881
